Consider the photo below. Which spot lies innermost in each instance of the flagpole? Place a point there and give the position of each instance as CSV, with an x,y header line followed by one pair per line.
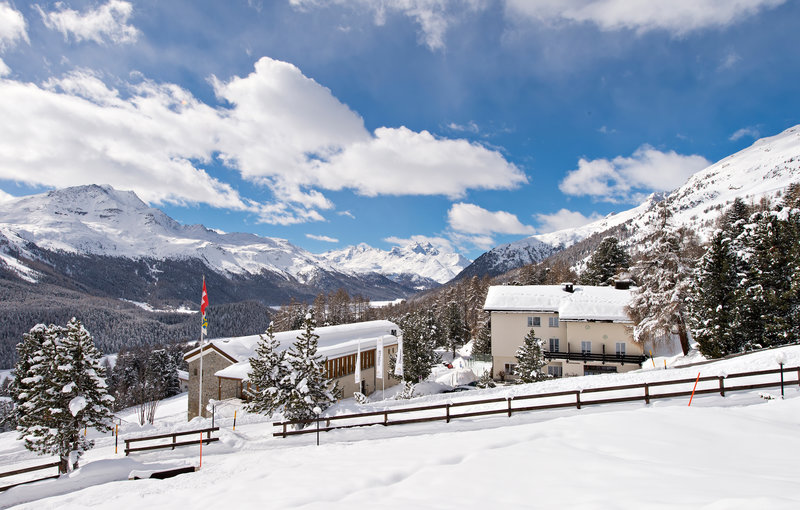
x,y
202,338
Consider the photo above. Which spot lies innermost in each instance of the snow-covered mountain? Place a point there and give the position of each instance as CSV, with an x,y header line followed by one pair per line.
x,y
99,236
99,220
416,263
765,169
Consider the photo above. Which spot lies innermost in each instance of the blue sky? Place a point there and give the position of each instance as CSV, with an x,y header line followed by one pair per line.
x,y
468,123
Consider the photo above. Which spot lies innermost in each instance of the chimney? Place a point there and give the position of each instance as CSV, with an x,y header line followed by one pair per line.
x,y
568,287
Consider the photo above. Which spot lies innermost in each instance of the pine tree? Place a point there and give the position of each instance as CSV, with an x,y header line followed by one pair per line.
x,y
608,260
530,359
67,393
455,328
162,374
24,380
659,303
714,301
268,369
307,385
483,341
419,341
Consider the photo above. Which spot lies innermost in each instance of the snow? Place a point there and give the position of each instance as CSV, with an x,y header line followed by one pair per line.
x,y
585,303
101,220
764,169
733,453
414,258
77,405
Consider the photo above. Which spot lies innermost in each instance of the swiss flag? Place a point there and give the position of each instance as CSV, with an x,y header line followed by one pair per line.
x,y
204,301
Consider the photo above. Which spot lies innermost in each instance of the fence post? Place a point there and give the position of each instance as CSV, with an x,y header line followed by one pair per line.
x,y
646,393
509,406
447,408
385,419
284,430
721,386
578,399
175,439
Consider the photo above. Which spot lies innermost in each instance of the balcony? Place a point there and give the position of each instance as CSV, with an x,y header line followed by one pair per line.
x,y
603,358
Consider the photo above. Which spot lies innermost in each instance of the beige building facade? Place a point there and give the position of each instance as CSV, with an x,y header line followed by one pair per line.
x,y
226,367
584,329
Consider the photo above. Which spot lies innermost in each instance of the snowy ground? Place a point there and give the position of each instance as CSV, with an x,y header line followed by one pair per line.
x,y
736,452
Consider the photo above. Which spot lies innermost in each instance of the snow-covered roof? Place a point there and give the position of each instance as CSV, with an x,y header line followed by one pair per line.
x,y
584,303
333,341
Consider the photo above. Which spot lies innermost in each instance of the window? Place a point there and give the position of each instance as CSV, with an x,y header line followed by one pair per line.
x,y
620,349
555,371
554,345
586,347
553,322
510,368
534,321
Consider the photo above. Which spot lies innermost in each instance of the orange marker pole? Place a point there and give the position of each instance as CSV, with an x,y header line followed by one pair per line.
x,y
653,360
116,438
201,451
665,364
234,419
695,387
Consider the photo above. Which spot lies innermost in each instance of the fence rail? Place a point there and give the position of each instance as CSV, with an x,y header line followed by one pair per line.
x,y
563,399
174,443
28,470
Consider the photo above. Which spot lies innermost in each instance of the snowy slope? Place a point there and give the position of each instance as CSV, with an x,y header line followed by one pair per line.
x,y
420,259
733,452
765,169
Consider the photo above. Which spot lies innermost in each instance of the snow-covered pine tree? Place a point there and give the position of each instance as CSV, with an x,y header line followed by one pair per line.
x,y
24,381
714,300
67,393
530,359
419,341
607,260
268,370
658,305
483,341
306,383
455,328
770,307
163,374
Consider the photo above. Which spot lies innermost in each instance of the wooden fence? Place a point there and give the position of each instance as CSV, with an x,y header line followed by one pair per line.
x,y
29,470
562,399
174,443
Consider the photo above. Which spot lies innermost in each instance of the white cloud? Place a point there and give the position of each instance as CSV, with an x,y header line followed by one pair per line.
x,y
564,219
469,127
12,30
750,131
325,239
678,17
473,219
107,22
347,213
624,179
281,129
4,197
433,17
730,60
398,161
